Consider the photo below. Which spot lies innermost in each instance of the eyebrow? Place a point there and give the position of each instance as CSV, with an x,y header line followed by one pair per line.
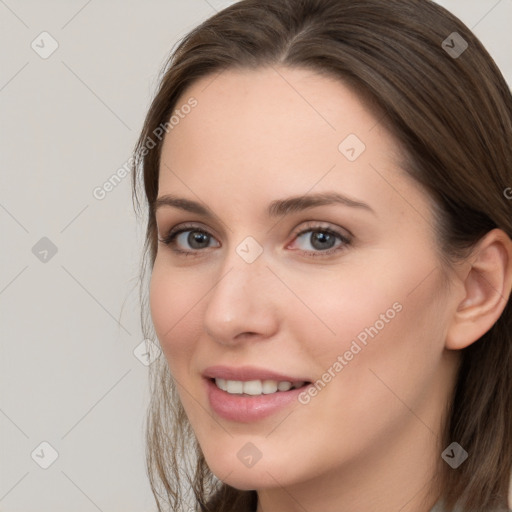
x,y
277,208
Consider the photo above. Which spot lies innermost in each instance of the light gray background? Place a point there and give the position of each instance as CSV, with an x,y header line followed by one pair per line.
x,y
69,326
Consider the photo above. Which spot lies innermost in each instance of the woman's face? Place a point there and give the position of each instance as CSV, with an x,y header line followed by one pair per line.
x,y
309,256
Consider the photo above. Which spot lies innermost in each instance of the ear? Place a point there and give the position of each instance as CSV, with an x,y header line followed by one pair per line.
x,y
486,277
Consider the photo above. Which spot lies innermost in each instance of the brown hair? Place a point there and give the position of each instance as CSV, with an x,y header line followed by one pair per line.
x,y
451,115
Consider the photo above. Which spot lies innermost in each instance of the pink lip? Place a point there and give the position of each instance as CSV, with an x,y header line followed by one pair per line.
x,y
246,408
245,373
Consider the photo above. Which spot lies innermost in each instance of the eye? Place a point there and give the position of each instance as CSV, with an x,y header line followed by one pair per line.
x,y
189,239
314,241
320,241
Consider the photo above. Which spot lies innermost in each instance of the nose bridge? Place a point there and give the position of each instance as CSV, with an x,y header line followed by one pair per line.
x,y
240,301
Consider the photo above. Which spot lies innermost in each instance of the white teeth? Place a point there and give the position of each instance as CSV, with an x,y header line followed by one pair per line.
x,y
284,386
221,383
255,387
269,386
235,386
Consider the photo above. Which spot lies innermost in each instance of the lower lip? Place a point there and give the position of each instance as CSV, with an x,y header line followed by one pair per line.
x,y
245,408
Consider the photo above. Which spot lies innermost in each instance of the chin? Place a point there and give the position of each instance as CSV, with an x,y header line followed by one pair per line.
x,y
262,474
246,480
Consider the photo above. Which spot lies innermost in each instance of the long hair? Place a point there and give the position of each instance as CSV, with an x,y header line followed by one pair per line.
x,y
450,110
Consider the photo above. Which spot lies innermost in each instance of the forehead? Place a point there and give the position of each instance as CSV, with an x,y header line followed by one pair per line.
x,y
272,132
286,110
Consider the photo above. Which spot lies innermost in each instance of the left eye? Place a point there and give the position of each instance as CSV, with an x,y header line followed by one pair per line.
x,y
193,239
319,240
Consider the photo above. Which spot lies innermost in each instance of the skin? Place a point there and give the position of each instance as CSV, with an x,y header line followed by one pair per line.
x,y
369,441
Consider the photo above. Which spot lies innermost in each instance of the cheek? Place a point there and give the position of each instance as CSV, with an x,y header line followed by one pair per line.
x,y
343,307
390,341
375,321
174,303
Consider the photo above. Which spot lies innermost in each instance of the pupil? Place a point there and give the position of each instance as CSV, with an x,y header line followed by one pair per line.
x,y
321,240
196,239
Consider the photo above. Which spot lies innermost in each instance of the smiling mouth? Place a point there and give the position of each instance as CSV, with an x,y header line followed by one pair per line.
x,y
257,387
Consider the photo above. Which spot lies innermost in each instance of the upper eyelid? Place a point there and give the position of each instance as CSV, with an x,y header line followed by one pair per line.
x,y
311,224
186,226
224,226
318,226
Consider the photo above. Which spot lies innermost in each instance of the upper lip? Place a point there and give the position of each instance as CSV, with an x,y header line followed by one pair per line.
x,y
246,373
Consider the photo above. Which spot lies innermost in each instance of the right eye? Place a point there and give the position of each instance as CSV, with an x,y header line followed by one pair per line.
x,y
188,240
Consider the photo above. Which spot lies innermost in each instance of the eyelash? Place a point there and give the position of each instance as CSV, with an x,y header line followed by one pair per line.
x,y
169,240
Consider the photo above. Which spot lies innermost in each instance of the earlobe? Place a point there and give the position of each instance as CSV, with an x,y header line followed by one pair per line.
x,y
487,282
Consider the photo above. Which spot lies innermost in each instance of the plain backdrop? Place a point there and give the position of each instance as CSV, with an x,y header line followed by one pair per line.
x,y
73,392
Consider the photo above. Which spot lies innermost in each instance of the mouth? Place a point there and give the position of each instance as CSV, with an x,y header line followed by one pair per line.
x,y
257,387
249,394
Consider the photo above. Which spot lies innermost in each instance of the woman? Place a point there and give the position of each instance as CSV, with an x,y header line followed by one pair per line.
x,y
329,246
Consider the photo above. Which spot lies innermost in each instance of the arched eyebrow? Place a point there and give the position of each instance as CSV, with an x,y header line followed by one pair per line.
x,y
281,207
277,208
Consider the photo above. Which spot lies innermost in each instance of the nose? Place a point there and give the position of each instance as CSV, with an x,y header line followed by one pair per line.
x,y
243,304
